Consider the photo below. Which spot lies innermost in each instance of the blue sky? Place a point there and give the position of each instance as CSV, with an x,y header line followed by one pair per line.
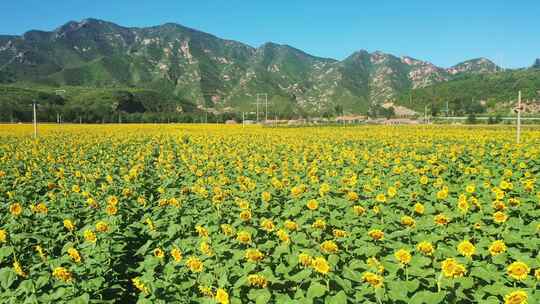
x,y
443,32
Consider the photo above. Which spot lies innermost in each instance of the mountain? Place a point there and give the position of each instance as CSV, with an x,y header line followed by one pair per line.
x,y
215,73
494,92
474,66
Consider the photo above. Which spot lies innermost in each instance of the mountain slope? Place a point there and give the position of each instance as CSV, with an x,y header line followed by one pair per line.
x,y
492,92
214,72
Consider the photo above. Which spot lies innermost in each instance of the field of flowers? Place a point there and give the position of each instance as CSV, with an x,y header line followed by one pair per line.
x,y
225,214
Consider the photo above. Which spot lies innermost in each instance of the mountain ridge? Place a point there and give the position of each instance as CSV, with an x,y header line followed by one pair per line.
x,y
214,72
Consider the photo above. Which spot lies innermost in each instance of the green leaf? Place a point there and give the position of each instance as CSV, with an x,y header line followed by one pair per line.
x,y
26,286
427,297
483,274
58,293
489,300
7,277
316,290
339,298
42,280
282,298
465,283
260,296
396,291
350,274
302,275
84,299
5,251
411,286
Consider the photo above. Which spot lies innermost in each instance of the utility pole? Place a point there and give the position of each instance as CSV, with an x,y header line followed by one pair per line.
x,y
266,105
518,135
243,119
257,104
34,104
257,108
61,94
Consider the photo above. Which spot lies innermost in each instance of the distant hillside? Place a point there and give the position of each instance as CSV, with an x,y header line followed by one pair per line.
x,y
484,92
211,72
88,104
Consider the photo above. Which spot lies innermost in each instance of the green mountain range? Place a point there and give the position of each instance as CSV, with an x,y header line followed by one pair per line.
x,y
192,69
493,92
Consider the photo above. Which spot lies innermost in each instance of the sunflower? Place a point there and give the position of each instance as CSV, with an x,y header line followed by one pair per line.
x,y
222,297
74,255
352,196
243,237
62,274
19,270
176,254
305,259
376,234
312,204
381,198
497,247
516,297
329,247
257,280
359,210
194,264
338,233
419,208
499,217
452,269
89,236
518,270
68,224
291,225
319,224
15,209
254,255
283,236
3,236
408,221
101,226
403,256
201,231
320,265
466,248
425,248
267,225
266,196
245,215
441,219
158,253
140,285
373,279
227,229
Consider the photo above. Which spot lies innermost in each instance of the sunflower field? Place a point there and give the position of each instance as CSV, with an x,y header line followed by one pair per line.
x,y
225,214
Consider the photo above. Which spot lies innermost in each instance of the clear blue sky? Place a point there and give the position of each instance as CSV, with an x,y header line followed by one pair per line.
x,y
443,32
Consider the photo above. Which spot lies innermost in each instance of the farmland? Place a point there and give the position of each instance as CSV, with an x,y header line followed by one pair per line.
x,y
225,214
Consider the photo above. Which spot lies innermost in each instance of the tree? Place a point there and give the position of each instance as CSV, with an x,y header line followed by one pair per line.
x,y
389,112
338,109
471,119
